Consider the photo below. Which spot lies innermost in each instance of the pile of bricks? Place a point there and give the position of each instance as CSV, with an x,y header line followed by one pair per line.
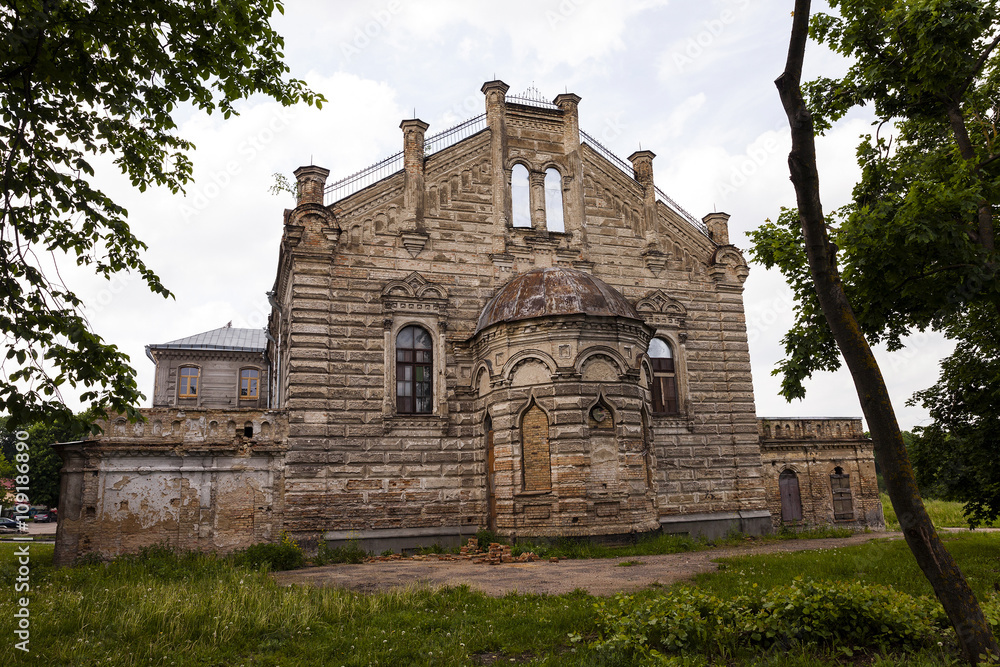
x,y
470,549
501,553
498,553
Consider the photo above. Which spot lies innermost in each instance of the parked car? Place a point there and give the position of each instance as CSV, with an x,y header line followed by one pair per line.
x,y
12,526
40,515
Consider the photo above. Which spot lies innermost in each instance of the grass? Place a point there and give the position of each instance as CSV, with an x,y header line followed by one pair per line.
x,y
887,562
944,514
194,609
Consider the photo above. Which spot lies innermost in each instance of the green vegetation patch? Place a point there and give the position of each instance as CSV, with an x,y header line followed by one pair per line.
x,y
943,513
886,562
857,616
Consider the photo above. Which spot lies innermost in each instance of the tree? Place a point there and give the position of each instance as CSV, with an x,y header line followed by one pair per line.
x,y
911,62
43,462
959,453
81,79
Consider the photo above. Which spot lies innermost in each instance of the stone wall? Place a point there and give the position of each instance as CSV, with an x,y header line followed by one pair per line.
x,y
194,479
814,450
430,246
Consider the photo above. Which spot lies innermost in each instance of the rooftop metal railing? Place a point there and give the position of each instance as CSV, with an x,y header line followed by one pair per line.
x,y
532,97
453,135
435,143
627,169
360,180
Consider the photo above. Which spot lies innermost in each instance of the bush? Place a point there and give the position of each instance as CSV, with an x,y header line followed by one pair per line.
x,y
286,555
816,613
348,553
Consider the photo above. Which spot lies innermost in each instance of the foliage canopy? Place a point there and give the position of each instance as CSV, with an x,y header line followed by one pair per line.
x,y
82,79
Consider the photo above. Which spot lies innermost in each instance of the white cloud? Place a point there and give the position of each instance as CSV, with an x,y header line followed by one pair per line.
x,y
714,123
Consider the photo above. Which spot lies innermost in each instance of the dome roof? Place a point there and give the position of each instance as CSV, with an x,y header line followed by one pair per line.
x,y
554,291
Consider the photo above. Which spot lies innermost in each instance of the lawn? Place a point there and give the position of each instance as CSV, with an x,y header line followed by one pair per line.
x,y
198,610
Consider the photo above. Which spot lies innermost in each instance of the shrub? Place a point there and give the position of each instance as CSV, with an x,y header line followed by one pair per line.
x,y
285,555
347,553
805,612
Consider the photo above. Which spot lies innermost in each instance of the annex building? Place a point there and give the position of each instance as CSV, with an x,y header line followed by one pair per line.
x,y
503,326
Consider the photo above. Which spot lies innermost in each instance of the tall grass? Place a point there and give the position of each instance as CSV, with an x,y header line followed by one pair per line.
x,y
943,513
194,609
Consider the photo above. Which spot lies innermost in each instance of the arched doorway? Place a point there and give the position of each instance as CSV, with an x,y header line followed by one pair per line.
x,y
791,501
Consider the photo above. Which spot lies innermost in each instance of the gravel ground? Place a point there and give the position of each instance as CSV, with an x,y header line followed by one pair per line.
x,y
598,576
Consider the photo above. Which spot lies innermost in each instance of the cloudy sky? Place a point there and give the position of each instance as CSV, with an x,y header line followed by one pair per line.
x,y
691,81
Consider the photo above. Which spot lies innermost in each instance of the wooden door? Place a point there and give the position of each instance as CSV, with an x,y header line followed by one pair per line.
x,y
491,496
791,501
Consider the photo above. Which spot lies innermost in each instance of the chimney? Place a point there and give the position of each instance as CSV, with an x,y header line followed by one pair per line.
x,y
310,182
718,227
496,119
642,166
413,165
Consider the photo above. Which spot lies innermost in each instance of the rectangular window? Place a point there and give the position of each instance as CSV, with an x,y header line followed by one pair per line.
x,y
249,384
189,382
664,387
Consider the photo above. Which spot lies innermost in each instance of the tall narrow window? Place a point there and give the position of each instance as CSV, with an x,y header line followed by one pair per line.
x,y
791,501
249,384
843,506
520,197
413,371
189,382
537,466
553,201
664,378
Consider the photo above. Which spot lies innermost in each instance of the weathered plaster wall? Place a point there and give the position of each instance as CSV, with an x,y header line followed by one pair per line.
x,y
197,483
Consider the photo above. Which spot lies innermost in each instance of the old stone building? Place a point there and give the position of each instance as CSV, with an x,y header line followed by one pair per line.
x,y
504,326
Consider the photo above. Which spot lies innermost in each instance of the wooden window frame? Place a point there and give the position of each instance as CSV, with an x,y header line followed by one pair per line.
x,y
183,386
407,404
254,396
664,382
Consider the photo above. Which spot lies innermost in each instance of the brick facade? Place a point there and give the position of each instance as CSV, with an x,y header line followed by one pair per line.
x,y
431,242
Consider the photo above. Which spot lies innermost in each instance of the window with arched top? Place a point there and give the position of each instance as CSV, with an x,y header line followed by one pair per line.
x,y
554,201
188,382
520,196
536,465
414,370
661,356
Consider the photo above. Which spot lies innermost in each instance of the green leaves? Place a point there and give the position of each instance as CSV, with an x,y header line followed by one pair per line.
x,y
81,79
912,252
806,612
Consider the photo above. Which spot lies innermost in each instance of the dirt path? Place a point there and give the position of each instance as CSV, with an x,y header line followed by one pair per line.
x,y
598,576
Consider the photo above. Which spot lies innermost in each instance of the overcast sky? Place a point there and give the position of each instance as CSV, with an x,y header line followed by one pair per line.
x,y
691,81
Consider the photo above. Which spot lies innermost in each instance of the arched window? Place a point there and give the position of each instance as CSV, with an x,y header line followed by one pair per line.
x,y
188,385
843,506
414,369
664,378
520,197
791,501
553,201
536,464
249,384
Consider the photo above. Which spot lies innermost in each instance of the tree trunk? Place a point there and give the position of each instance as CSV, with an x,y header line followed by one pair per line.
x,y
950,586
